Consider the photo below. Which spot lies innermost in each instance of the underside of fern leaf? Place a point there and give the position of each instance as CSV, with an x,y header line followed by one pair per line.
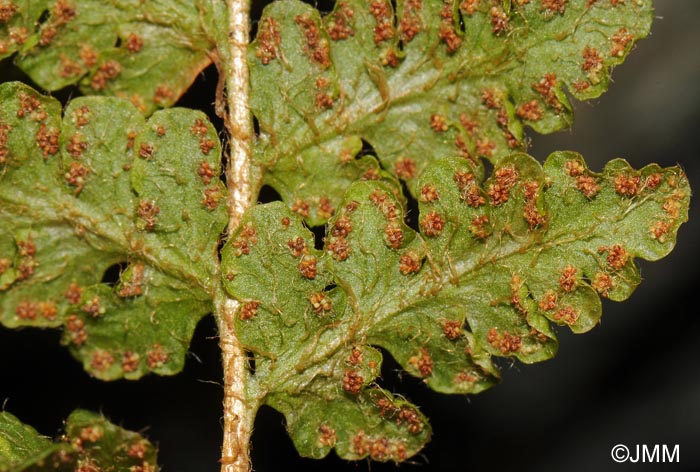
x,y
497,261
350,105
423,80
102,187
90,443
146,52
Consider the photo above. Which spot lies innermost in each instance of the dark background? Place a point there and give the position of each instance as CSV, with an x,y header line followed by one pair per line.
x,y
635,379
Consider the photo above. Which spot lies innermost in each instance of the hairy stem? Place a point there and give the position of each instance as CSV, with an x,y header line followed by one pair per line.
x,y
239,412
238,123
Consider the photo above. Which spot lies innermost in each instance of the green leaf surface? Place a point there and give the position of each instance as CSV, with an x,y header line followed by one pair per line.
x,y
496,263
19,443
90,443
148,52
428,80
103,189
299,326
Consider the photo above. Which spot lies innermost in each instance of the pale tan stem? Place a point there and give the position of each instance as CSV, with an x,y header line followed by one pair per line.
x,y
238,122
239,410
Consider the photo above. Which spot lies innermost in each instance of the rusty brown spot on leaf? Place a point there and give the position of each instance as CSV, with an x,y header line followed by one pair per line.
x,y
249,310
307,266
101,360
206,172
405,168
148,212
553,6
409,263
47,140
548,301
469,6
567,315
410,23
137,450
164,95
297,246
341,227
530,111
422,362
199,128
438,123
505,180
325,208
7,11
26,310
106,72
134,43
499,20
93,307
320,303
602,283
212,197
88,55
156,357
411,419
659,230
245,239
268,40
485,147
384,29
300,207
339,23
478,227
339,248
432,224
370,174
206,145
652,181
47,34
355,357
568,279
546,87
617,255
592,63
73,293
77,176
428,193
317,47
393,235
76,330
5,264
627,185
327,436
130,361
76,146
504,342
452,329
447,33
620,40
352,382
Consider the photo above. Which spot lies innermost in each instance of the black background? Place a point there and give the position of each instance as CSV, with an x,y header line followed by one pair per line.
x,y
635,379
